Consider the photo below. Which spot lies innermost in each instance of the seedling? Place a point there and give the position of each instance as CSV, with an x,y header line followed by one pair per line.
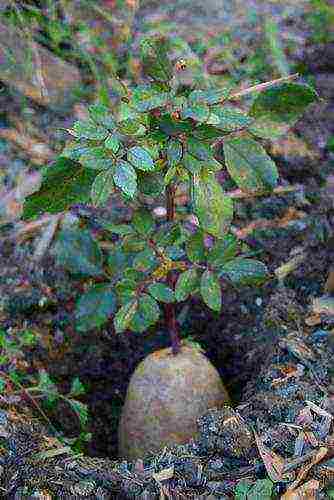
x,y
161,140
17,386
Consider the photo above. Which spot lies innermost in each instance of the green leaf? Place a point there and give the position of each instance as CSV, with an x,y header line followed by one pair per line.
x,y
133,275
186,284
172,127
149,309
242,489
147,315
88,129
249,165
145,260
141,158
206,132
117,261
45,384
192,164
124,316
96,158
211,96
197,112
125,112
112,142
94,307
102,115
133,244
126,290
120,229
211,290
199,149
223,251
77,388
74,150
262,490
245,271
125,178
131,127
78,252
145,98
161,292
81,411
278,108
152,147
167,234
3,385
174,152
213,208
64,184
28,338
102,188
231,118
150,184
143,222
195,247
153,52
170,175
212,166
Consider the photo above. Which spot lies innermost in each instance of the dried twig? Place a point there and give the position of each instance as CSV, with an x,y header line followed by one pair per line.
x,y
239,195
263,86
285,269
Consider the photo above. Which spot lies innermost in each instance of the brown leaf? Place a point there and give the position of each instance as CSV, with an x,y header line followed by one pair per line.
x,y
329,285
313,320
306,468
273,462
305,492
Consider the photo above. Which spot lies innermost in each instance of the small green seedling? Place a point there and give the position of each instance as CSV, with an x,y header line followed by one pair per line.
x,y
16,385
160,139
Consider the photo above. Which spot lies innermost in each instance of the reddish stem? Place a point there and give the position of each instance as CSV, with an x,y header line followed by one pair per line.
x,y
170,308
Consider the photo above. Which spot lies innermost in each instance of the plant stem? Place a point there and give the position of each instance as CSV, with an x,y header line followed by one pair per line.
x,y
170,194
170,308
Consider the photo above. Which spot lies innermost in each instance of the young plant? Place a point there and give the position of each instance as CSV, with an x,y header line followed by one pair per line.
x,y
162,139
17,386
